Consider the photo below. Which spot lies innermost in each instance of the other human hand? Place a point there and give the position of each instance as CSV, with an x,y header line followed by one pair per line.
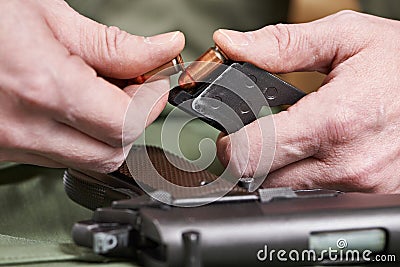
x,y
55,108
344,136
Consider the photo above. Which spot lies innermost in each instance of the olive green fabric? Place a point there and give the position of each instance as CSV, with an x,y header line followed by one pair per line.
x,y
36,220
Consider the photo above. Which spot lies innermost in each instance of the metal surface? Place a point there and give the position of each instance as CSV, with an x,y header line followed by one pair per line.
x,y
232,233
170,68
233,96
199,69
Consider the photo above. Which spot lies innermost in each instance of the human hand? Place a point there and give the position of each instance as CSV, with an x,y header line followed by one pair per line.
x,y
344,136
54,108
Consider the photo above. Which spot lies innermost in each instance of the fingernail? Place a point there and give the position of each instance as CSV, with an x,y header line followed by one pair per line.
x,y
162,38
237,38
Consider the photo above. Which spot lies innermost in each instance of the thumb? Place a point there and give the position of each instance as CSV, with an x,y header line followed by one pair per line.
x,y
314,46
111,51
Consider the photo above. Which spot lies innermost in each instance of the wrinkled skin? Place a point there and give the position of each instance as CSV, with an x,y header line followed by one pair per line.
x,y
55,109
344,136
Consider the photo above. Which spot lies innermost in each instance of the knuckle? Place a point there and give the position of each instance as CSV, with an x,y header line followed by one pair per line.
x,y
75,67
282,36
124,140
238,164
64,99
130,131
346,15
233,156
287,40
48,88
116,139
340,128
283,39
39,90
338,131
110,162
110,40
224,149
244,154
360,177
350,22
15,137
306,142
113,38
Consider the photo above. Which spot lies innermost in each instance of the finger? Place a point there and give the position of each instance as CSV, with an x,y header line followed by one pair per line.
x,y
29,158
313,173
72,148
111,51
148,101
63,87
246,153
305,174
314,46
293,135
69,91
80,99
157,90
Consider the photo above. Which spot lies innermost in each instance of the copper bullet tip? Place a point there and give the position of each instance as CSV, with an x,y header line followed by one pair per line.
x,y
199,69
